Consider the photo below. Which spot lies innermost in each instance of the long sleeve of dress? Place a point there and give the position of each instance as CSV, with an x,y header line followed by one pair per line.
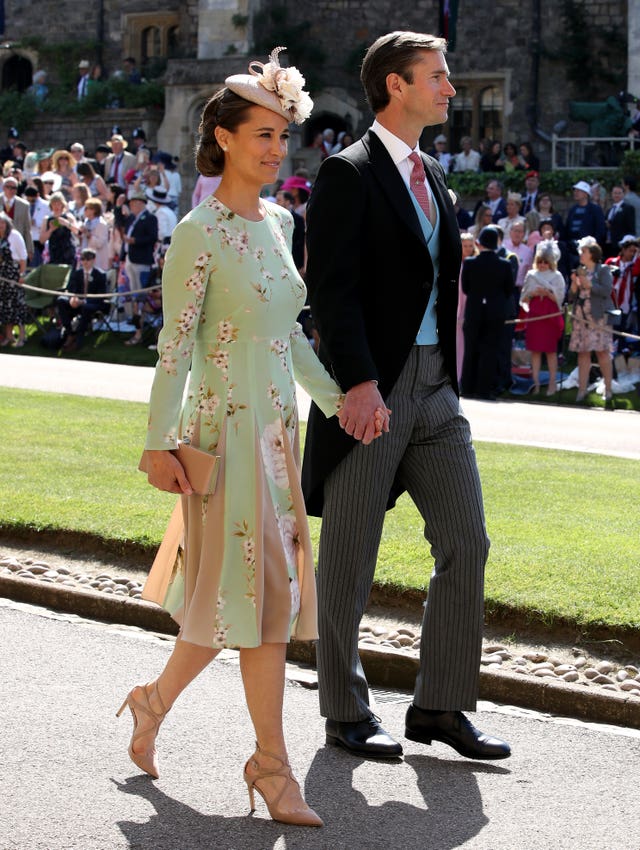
x,y
312,376
185,277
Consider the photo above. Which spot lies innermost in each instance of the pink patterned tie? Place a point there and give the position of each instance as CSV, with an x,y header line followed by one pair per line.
x,y
417,183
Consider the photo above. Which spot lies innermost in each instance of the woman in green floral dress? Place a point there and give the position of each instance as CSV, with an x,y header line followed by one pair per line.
x,y
231,296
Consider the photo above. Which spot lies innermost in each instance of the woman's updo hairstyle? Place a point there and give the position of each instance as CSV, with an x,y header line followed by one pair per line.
x,y
225,109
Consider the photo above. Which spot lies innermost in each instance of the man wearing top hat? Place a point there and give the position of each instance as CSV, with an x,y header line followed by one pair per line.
x,y
383,262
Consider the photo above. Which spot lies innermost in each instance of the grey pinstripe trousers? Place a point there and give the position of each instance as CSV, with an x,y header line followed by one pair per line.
x,y
429,447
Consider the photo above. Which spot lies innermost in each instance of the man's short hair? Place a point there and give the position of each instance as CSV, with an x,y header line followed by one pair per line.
x,y
394,53
88,254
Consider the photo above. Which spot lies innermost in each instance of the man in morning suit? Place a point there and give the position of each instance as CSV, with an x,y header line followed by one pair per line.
x,y
87,280
383,262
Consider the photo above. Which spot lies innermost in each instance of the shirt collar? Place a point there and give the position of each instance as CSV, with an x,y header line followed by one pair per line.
x,y
397,149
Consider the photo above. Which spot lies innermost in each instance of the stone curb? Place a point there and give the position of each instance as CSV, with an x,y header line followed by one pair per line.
x,y
384,666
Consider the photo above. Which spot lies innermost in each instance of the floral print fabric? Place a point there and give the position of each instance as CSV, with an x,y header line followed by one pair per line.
x,y
231,296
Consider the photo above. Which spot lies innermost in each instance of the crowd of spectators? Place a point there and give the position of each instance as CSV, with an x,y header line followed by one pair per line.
x,y
115,208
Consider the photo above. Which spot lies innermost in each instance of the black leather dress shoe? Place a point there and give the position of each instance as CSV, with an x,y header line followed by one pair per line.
x,y
363,737
454,729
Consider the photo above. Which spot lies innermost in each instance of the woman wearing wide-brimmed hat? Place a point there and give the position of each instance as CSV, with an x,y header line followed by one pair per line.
x,y
62,165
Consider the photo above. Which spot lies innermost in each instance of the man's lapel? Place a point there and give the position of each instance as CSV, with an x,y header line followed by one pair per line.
x,y
387,174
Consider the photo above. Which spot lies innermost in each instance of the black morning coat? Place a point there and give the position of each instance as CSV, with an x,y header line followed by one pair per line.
x,y
369,275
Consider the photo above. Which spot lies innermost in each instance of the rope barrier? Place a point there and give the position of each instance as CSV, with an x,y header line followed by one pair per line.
x,y
574,318
129,293
136,293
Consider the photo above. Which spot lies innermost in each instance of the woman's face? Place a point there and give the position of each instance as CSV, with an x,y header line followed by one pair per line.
x,y
63,163
510,150
513,208
467,248
544,202
487,217
255,150
89,212
585,256
496,147
3,229
56,207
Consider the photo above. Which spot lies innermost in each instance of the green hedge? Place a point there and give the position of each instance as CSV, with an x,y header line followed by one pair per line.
x,y
556,182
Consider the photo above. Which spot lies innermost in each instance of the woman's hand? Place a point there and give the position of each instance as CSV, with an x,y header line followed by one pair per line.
x,y
167,473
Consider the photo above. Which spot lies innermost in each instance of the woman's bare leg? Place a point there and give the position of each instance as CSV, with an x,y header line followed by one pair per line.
x,y
584,364
552,363
186,662
604,361
536,361
263,678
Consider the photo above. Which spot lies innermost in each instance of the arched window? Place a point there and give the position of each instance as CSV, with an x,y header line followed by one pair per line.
x,y
17,73
491,107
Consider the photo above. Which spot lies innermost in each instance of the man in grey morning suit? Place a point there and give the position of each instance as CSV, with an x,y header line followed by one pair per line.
x,y
384,257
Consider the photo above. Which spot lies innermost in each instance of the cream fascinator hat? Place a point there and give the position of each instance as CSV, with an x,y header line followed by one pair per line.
x,y
276,88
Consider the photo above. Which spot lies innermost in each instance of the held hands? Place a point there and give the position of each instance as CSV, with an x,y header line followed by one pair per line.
x,y
167,473
364,415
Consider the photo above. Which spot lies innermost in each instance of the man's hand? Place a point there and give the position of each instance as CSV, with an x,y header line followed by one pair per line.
x,y
364,415
167,473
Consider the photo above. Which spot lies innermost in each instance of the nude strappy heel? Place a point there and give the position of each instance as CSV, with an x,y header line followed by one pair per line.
x,y
147,761
254,772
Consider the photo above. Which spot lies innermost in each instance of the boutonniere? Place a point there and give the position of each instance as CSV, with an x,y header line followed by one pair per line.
x,y
453,196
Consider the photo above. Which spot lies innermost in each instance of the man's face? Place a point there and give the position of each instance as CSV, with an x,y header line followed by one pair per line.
x,y
627,253
77,153
10,187
136,206
87,263
493,190
532,184
116,146
426,100
617,194
516,234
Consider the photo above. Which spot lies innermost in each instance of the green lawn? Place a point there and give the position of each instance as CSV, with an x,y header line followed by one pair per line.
x,y
564,531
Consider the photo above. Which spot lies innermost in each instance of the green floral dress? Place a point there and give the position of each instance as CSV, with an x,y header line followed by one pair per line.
x,y
231,295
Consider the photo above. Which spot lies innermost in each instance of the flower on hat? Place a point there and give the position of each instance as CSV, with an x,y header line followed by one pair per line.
x,y
286,83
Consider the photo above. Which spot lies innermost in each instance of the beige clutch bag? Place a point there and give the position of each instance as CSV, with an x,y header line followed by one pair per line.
x,y
199,466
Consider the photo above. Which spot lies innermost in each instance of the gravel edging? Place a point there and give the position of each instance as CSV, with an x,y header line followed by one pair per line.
x,y
534,686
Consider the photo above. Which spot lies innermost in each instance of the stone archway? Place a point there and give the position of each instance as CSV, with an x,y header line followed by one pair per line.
x,y
17,73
